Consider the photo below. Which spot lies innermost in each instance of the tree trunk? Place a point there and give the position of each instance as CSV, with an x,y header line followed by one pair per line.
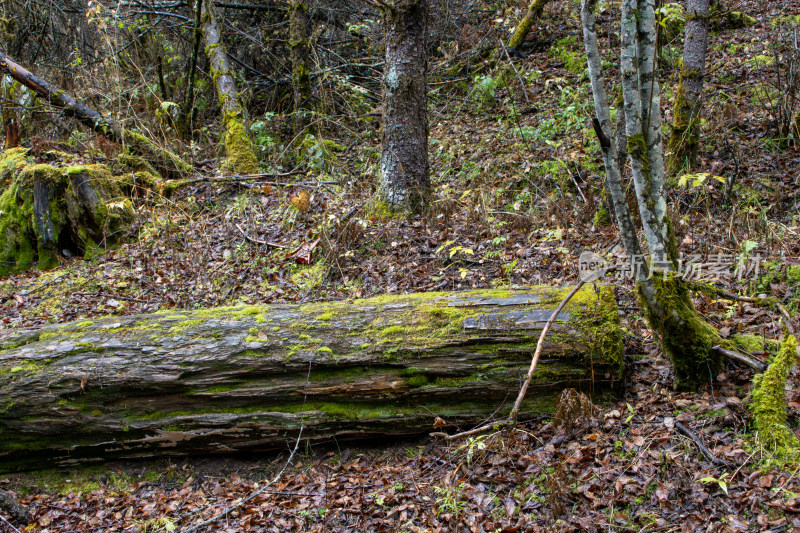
x,y
687,338
404,168
250,378
161,158
187,109
300,52
524,27
685,135
240,156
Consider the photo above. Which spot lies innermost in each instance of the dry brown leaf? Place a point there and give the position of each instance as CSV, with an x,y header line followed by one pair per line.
x,y
301,201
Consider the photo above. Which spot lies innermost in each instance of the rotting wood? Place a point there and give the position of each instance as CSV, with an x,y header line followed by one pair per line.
x,y
247,378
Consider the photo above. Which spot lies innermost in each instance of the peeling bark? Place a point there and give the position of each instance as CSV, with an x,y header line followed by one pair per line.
x,y
248,378
404,167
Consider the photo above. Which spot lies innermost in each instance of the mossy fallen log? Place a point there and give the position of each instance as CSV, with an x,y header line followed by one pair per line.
x,y
248,378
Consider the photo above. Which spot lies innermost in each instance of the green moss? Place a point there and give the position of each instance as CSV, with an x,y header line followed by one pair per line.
x,y
84,324
392,331
241,158
574,60
601,217
769,404
325,317
686,337
324,349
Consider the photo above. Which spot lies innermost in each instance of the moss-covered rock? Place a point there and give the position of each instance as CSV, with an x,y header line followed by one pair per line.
x,y
45,210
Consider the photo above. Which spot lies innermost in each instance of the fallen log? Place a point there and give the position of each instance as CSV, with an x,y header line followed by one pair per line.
x,y
249,378
162,158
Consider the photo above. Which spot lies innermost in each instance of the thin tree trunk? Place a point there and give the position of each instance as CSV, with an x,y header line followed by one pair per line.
x,y
685,135
240,157
524,27
685,336
300,51
404,167
187,110
248,378
161,158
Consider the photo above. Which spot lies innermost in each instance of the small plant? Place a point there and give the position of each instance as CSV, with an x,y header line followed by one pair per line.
x,y
484,89
721,481
450,500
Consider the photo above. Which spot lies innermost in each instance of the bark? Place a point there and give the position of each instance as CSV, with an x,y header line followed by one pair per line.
x,y
685,336
300,51
240,157
524,27
249,378
685,134
163,159
404,167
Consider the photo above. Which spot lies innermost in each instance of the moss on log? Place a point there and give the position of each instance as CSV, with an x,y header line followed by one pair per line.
x,y
248,378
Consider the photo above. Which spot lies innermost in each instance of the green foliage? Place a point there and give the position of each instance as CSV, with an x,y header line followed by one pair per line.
x,y
563,50
484,89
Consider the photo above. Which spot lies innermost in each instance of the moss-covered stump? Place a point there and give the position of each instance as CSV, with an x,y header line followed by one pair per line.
x,y
47,210
248,378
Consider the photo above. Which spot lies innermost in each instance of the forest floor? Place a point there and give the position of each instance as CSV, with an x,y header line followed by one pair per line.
x,y
517,182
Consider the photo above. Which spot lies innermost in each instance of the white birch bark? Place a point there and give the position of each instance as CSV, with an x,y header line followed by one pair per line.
x,y
651,111
637,139
608,141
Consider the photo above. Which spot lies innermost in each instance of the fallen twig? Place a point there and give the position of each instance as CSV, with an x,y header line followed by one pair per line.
x,y
705,451
740,358
512,416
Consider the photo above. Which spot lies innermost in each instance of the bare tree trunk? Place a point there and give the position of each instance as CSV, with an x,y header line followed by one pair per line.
x,y
524,27
685,135
404,168
240,157
161,158
187,110
248,378
686,337
300,51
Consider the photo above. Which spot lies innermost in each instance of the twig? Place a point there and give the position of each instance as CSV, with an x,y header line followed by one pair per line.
x,y
512,416
519,79
9,524
740,358
710,456
250,239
